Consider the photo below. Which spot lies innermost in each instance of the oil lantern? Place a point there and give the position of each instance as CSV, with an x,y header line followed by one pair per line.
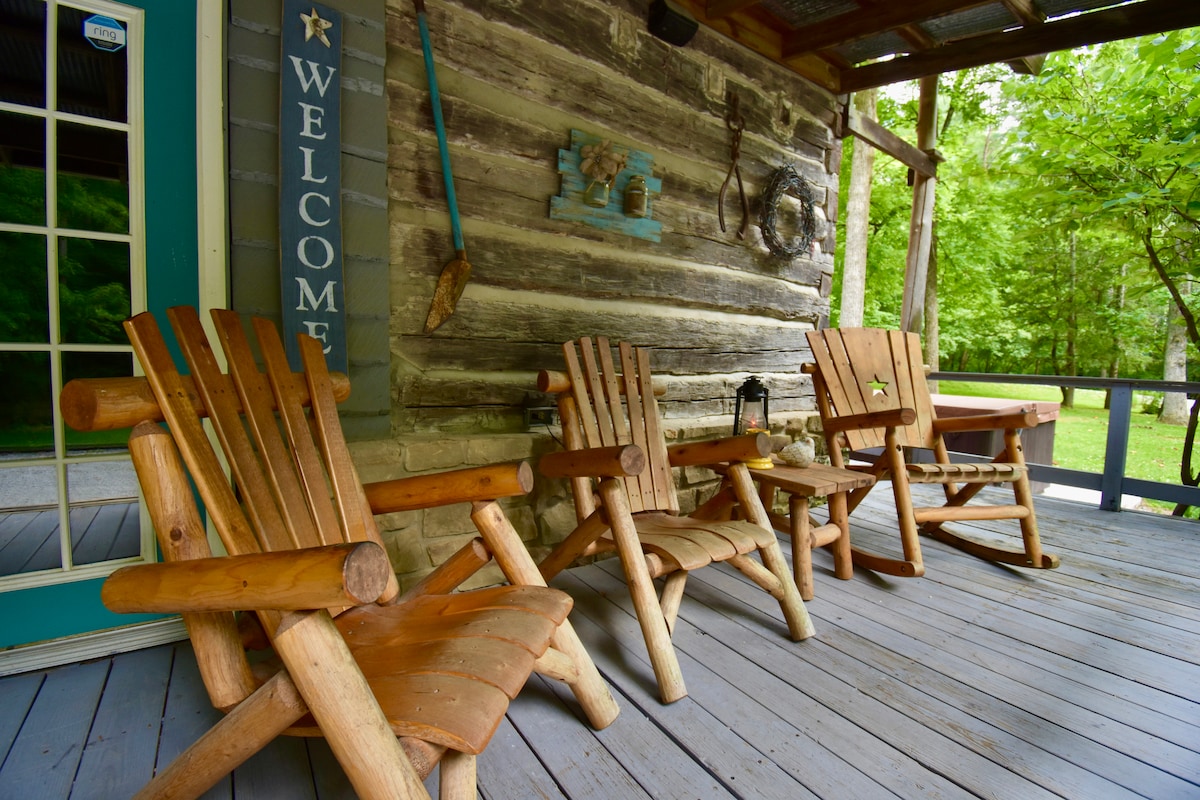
x,y
750,414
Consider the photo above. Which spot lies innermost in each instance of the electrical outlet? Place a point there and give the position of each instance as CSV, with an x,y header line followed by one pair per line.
x,y
539,416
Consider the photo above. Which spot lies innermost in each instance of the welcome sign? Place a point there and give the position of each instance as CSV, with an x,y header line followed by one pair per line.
x,y
310,179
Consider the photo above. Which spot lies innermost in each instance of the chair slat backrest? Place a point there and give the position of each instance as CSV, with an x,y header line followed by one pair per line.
x,y
618,408
870,369
294,476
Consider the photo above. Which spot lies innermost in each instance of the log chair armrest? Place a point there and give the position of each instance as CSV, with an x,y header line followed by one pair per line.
x,y
316,577
554,382
454,486
618,461
451,573
105,404
892,418
987,422
714,451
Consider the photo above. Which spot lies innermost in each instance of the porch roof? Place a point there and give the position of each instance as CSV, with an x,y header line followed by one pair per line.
x,y
975,681
848,45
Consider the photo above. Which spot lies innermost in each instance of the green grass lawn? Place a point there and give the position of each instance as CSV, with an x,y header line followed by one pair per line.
x,y
1155,449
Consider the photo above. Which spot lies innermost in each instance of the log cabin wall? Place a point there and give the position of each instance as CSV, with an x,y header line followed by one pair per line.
x,y
516,76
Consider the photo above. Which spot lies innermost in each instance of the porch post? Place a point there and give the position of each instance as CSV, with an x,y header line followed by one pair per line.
x,y
921,225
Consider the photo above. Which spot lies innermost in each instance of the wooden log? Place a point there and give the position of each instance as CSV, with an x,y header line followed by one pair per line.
x,y
517,565
962,513
986,422
240,734
451,573
714,451
553,382
616,461
331,683
555,664
799,623
872,419
456,486
672,597
645,600
318,577
105,404
182,538
456,780
577,543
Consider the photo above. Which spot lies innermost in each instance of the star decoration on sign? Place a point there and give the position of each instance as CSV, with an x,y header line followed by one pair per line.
x,y
315,26
877,386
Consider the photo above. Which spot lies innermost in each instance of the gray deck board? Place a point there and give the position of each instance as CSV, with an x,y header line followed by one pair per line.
x,y
978,680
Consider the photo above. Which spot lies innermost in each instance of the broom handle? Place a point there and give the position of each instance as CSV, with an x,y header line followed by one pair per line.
x,y
435,100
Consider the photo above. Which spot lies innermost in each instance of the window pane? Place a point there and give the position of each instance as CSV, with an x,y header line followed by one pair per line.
x,y
104,511
29,520
93,288
93,178
23,42
24,306
95,365
91,80
26,415
23,169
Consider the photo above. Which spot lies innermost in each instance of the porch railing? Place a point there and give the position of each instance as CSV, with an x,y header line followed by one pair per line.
x,y
1112,482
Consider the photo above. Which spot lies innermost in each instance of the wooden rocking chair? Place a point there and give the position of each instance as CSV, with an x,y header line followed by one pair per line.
x,y
395,682
871,392
614,447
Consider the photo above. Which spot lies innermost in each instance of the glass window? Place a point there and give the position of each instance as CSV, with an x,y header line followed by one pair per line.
x,y
70,248
23,41
23,168
93,80
23,289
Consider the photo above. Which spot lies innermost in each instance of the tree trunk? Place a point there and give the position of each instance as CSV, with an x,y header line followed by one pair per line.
x,y
858,221
1175,406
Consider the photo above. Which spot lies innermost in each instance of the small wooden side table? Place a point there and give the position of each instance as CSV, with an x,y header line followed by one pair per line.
x,y
801,483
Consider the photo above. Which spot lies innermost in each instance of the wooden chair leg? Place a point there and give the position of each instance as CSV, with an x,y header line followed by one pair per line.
x,y
329,680
799,624
843,561
244,731
672,596
1023,493
645,598
456,777
801,545
517,565
909,538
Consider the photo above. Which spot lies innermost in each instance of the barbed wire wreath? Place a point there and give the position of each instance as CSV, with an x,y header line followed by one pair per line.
x,y
786,180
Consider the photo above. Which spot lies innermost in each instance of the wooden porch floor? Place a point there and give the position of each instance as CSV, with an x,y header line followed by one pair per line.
x,y
975,681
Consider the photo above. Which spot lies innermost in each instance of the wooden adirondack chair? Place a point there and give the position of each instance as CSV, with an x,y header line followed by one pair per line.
x,y
871,392
614,447
432,667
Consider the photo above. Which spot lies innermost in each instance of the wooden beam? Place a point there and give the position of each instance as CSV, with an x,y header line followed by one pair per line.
x,y
862,23
760,37
1123,22
716,9
879,137
1029,65
1025,11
